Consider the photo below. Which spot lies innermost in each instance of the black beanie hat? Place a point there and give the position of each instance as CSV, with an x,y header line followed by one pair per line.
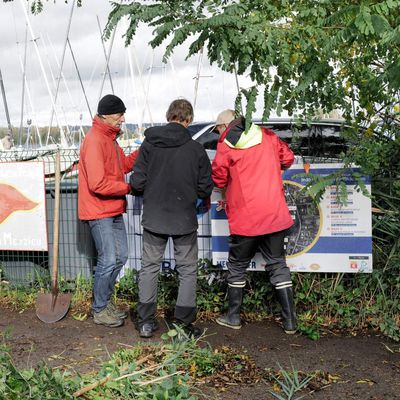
x,y
110,104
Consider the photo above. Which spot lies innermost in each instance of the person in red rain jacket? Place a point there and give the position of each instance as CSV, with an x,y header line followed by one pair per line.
x,y
101,202
249,165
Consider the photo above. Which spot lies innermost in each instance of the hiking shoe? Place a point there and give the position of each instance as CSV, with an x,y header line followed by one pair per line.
x,y
191,331
229,321
147,329
106,318
117,312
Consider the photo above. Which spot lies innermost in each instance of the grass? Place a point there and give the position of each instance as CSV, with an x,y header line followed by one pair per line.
x,y
172,369
345,302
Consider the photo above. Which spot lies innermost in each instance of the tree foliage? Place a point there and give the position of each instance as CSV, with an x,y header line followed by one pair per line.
x,y
37,5
305,57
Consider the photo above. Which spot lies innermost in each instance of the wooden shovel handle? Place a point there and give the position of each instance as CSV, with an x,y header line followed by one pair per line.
x,y
56,223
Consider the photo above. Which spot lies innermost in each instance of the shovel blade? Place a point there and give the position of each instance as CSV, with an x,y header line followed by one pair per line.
x,y
51,308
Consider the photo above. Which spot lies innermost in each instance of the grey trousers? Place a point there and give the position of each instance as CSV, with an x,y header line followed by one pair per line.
x,y
186,256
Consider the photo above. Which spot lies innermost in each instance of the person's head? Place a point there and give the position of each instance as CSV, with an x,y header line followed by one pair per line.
x,y
111,110
223,120
180,111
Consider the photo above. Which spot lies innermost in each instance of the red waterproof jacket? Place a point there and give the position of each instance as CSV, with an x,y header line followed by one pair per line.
x,y
249,166
102,168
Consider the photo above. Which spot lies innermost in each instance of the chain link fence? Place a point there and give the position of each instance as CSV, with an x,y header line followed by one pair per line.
x,y
77,254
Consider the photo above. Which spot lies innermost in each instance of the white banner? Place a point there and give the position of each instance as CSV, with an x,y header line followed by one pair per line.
x,y
134,229
22,206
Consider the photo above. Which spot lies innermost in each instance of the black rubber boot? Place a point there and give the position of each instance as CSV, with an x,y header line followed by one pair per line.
x,y
285,298
146,322
232,318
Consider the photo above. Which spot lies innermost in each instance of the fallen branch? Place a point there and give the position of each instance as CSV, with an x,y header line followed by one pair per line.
x,y
160,378
142,371
103,381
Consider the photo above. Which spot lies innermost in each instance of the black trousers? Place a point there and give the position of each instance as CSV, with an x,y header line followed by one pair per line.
x,y
243,248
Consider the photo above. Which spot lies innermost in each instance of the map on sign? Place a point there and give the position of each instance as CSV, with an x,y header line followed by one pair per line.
x,y
325,237
307,219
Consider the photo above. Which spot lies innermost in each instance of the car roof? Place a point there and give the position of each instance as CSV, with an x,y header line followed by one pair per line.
x,y
198,128
335,121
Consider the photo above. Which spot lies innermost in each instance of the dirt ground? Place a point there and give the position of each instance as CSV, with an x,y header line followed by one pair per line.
x,y
364,367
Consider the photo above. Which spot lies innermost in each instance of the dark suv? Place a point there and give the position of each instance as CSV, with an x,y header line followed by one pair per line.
x,y
320,141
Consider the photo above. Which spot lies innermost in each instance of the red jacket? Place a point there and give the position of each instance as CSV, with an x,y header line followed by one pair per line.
x,y
249,166
102,168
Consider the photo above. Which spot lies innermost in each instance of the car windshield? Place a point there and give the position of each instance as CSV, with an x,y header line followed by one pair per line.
x,y
197,127
320,141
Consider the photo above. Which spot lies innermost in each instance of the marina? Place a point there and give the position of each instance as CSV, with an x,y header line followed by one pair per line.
x,y
55,67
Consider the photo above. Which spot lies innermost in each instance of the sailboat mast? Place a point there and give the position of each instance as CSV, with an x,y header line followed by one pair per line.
x,y
21,123
197,78
147,90
108,56
3,93
80,79
44,74
105,54
62,61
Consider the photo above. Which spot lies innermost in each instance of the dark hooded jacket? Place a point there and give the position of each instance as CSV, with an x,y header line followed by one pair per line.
x,y
172,171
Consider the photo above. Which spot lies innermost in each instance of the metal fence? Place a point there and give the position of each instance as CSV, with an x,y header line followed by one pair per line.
x,y
77,255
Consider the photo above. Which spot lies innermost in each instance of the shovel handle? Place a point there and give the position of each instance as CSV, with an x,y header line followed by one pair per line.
x,y
56,224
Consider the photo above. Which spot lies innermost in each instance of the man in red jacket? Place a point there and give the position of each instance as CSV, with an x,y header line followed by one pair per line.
x,y
101,202
248,164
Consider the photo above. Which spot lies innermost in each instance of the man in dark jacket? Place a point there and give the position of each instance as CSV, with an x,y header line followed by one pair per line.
x,y
172,171
249,164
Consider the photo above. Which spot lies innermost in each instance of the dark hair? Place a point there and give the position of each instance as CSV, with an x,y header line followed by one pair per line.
x,y
180,110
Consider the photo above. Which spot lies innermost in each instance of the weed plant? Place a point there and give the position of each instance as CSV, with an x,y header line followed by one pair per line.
x,y
288,383
18,298
40,383
166,370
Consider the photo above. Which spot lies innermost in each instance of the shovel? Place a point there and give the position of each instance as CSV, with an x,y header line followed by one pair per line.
x,y
51,307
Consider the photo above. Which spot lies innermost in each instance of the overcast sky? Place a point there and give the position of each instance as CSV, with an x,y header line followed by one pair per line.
x,y
137,72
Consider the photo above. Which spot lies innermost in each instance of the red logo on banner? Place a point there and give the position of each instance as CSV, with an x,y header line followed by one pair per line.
x,y
221,205
12,200
353,265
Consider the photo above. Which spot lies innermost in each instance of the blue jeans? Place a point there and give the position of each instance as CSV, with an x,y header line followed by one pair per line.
x,y
109,236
